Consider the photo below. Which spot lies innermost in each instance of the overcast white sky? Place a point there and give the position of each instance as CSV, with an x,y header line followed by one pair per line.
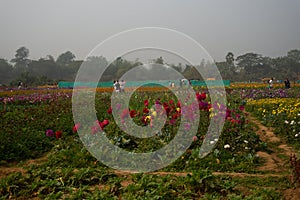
x,y
268,27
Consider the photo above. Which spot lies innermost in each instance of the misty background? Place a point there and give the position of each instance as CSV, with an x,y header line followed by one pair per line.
x,y
46,41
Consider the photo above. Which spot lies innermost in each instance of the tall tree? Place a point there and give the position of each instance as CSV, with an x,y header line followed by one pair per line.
x,y
230,58
294,55
65,58
21,56
47,68
228,68
250,64
5,72
20,61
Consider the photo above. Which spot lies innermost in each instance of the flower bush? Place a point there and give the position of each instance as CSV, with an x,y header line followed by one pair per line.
x,y
281,113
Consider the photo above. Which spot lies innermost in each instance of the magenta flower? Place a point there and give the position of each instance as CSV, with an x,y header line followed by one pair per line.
x,y
50,133
242,108
118,106
187,126
172,121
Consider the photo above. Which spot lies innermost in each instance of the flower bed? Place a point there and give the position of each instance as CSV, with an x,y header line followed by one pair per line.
x,y
281,113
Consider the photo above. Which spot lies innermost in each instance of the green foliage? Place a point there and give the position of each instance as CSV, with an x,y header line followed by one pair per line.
x,y
249,67
21,57
6,72
65,58
71,172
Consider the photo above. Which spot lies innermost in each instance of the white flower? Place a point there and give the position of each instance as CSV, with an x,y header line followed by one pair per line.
x,y
246,148
287,122
246,141
297,135
212,142
216,140
226,146
292,122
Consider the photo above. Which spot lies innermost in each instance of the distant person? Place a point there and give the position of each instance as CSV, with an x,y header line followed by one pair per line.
x,y
271,83
287,84
114,85
122,86
117,86
180,82
20,84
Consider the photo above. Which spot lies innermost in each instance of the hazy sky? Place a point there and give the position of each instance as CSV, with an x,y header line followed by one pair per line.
x,y
268,27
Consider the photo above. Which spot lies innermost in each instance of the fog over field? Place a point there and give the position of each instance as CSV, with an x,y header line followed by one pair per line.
x,y
268,27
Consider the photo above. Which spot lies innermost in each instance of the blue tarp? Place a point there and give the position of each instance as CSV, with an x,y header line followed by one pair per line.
x,y
63,84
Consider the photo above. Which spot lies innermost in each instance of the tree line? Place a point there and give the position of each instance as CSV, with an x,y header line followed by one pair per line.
x,y
47,70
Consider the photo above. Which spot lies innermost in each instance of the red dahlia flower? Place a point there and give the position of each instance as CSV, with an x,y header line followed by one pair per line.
x,y
104,123
109,111
76,127
145,110
146,102
133,113
58,134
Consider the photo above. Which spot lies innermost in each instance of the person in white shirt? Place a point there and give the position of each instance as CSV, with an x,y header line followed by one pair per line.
x,y
271,83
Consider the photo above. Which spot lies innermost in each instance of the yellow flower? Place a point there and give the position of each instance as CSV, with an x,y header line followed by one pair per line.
x,y
154,113
148,117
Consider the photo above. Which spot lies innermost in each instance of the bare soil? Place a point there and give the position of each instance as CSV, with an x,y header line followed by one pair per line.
x,y
7,169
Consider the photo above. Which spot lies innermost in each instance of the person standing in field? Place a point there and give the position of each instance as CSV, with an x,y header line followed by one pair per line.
x,y
20,84
122,86
180,82
114,85
117,86
287,84
271,83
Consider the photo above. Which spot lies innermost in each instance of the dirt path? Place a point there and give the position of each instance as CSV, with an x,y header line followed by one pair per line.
x,y
273,161
10,168
274,165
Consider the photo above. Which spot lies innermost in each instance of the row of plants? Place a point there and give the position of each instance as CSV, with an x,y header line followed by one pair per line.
x,y
281,113
269,93
280,109
23,128
70,172
235,149
259,85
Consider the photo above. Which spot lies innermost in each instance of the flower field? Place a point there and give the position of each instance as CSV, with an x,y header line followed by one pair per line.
x,y
281,113
39,124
